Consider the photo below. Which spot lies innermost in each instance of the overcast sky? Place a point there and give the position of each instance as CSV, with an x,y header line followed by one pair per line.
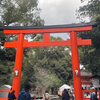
x,y
57,12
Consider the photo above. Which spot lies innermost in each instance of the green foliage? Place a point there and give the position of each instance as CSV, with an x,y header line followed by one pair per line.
x,y
18,12
90,55
90,9
27,72
15,13
56,59
6,68
44,78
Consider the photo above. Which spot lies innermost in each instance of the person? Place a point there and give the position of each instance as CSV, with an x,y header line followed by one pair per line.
x,y
46,96
12,95
93,96
35,91
59,97
65,95
71,97
22,95
29,96
9,94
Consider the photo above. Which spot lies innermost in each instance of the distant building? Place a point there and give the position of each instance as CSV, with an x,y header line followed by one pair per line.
x,y
4,87
85,79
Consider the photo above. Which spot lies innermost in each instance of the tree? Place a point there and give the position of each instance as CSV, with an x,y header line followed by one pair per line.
x,y
56,59
20,13
90,9
44,79
16,13
89,55
6,68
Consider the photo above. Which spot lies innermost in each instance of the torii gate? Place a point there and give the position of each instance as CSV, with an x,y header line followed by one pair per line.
x,y
46,30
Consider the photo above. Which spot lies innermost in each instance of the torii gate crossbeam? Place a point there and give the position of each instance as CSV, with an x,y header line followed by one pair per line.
x,y
46,30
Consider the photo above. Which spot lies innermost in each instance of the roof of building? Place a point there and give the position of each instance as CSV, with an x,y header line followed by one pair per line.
x,y
5,87
9,86
84,73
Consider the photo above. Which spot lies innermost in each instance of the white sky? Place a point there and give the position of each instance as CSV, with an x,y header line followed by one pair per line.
x,y
58,12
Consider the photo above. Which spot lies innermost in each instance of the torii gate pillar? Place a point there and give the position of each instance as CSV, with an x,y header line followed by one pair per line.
x,y
18,64
75,66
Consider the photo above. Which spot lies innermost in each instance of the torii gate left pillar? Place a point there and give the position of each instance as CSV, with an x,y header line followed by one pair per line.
x,y
18,64
73,42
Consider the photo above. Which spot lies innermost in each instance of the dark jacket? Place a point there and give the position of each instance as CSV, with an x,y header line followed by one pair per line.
x,y
24,94
65,95
9,96
29,96
93,97
12,96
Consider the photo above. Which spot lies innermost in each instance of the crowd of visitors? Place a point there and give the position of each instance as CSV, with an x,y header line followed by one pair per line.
x,y
22,95
66,95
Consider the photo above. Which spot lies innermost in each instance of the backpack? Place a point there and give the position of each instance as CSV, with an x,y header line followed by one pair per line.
x,y
45,97
22,96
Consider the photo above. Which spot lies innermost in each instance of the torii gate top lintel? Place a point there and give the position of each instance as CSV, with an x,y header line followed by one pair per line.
x,y
51,28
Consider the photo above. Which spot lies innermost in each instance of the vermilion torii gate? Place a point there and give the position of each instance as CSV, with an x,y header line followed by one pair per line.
x,y
46,30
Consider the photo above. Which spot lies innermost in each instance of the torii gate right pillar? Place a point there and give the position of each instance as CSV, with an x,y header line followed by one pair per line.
x,y
75,65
